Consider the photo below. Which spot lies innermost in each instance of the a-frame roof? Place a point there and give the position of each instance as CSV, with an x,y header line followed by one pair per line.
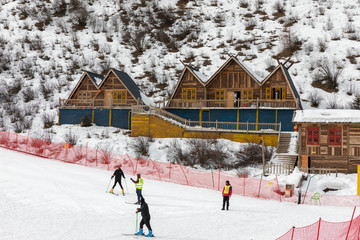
x,y
95,78
252,74
197,74
288,79
130,85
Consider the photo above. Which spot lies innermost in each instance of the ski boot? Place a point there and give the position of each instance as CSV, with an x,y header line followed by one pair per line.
x,y
112,191
150,234
122,190
140,232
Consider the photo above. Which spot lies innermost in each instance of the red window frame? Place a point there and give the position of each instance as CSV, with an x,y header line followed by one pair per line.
x,y
335,136
313,136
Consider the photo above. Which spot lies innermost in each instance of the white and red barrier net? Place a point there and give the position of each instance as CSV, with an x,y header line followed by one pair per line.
x,y
176,173
323,230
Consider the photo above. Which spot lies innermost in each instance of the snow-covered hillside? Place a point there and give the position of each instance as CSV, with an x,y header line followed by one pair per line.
x,y
45,199
45,45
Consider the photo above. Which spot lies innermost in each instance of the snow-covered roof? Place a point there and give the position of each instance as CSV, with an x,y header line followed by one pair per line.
x,y
201,76
257,77
133,87
327,116
96,78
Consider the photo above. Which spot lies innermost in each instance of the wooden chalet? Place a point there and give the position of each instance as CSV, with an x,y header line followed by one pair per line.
x,y
116,90
234,85
329,139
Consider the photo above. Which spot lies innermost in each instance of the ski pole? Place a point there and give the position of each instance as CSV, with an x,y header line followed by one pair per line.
x,y
107,189
136,229
126,186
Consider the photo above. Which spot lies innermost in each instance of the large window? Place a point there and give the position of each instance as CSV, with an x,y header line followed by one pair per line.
x,y
248,93
122,94
219,94
275,93
335,136
312,136
189,93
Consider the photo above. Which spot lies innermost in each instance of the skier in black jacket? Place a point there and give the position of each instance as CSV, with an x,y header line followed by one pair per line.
x,y
145,214
118,174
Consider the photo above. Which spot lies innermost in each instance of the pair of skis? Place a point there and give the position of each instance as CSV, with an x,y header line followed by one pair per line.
x,y
135,235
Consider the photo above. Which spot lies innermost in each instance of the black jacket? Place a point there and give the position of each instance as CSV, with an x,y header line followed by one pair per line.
x,y
144,209
118,174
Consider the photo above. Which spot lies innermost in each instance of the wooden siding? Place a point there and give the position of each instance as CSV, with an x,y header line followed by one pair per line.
x,y
87,86
277,80
345,156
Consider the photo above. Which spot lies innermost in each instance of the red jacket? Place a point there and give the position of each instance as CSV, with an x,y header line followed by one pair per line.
x,y
227,191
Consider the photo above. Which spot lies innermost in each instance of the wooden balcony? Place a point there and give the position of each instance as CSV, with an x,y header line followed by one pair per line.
x,y
240,103
97,103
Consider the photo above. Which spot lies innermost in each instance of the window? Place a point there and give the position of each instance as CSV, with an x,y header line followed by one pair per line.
x,y
275,93
83,95
335,136
189,93
312,136
122,94
219,94
248,93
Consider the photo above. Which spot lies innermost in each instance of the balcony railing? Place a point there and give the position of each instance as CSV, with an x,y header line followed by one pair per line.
x,y
97,103
239,103
207,125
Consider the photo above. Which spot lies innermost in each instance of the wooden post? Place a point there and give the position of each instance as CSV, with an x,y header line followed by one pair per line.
x,y
216,125
219,179
318,233
86,154
263,155
244,182
352,217
292,234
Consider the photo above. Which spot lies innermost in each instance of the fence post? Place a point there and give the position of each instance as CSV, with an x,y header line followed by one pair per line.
x,y
277,181
86,154
187,182
216,125
170,170
260,186
8,139
96,157
318,233
131,163
292,234
352,217
219,179
27,143
244,182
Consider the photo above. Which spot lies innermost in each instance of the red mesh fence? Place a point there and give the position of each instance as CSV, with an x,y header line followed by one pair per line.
x,y
170,172
323,230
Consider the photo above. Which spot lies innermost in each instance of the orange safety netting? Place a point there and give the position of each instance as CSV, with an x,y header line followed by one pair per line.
x,y
165,171
323,230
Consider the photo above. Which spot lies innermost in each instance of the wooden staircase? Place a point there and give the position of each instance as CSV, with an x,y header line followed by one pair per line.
x,y
283,153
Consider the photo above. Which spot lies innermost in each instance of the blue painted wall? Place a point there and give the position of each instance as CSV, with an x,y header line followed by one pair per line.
x,y
119,117
73,116
285,117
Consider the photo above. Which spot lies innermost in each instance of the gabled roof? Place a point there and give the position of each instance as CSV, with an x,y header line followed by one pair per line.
x,y
130,85
94,78
198,76
288,80
252,74
327,116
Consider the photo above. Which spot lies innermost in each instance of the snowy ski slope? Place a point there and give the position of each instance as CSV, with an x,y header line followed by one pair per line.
x,y
45,199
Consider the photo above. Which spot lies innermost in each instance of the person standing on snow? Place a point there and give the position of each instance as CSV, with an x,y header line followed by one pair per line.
x,y
118,174
139,185
227,191
145,214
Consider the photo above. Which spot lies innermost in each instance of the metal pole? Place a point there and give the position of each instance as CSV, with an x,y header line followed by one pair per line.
x,y
263,155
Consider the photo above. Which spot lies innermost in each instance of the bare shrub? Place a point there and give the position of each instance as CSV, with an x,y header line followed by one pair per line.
x,y
15,87
322,44
138,41
349,28
140,146
244,3
48,119
71,138
47,89
250,24
290,44
59,7
18,127
315,99
356,102
85,121
27,123
78,154
328,75
279,8
28,94
166,17
332,103
105,153
175,153
251,155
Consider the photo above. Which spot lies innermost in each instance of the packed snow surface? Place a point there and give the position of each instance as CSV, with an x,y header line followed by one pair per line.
x,y
327,115
46,199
